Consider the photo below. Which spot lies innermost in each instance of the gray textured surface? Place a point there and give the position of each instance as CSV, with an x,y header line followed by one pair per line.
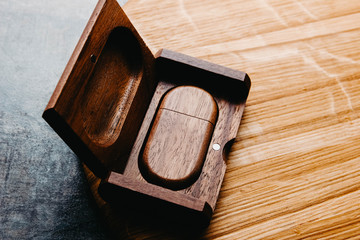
x,y
43,191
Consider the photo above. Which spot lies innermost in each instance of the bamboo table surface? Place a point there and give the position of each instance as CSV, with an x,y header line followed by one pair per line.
x,y
294,169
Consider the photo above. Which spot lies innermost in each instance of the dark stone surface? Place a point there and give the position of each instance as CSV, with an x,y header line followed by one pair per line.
x,y
43,190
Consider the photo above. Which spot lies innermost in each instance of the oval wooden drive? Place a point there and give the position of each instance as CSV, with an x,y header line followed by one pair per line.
x,y
178,140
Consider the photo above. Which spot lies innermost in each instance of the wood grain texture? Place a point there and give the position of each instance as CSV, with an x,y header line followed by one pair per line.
x,y
293,171
116,72
109,57
191,101
187,115
179,137
105,111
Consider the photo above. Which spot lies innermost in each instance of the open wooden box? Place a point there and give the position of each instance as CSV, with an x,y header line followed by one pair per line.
x,y
153,128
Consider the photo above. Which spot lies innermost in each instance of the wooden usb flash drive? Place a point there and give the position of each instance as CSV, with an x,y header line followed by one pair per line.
x,y
175,149
153,128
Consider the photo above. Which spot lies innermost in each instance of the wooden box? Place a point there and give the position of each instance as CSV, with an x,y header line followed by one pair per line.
x,y
155,129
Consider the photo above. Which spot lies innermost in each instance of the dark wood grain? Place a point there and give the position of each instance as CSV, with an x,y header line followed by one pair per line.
x,y
110,57
177,71
117,71
177,142
191,101
153,129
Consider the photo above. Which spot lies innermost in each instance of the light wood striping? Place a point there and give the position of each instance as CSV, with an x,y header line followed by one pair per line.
x,y
294,169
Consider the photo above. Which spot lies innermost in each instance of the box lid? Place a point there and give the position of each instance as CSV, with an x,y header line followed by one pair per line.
x,y
102,95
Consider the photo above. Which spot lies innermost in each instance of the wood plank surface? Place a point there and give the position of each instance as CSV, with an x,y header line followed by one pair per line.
x,y
294,169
